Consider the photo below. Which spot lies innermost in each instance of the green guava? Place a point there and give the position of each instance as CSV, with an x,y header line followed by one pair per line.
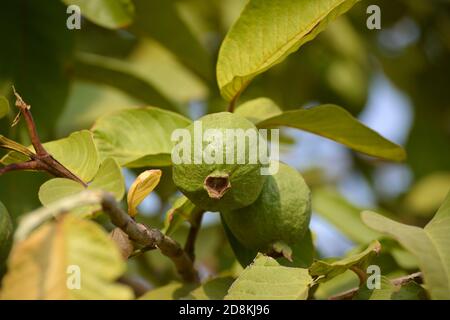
x,y
231,178
279,219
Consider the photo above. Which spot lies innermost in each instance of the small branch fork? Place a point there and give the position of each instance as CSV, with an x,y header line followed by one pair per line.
x,y
41,160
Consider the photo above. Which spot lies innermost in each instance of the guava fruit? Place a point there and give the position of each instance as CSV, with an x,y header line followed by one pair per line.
x,y
216,186
279,219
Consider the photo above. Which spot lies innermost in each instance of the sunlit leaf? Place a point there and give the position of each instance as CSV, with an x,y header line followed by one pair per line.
x,y
266,33
266,279
430,245
48,263
111,14
337,124
138,137
141,188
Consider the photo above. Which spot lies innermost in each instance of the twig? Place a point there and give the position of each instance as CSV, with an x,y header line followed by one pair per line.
x,y
149,237
42,160
346,295
189,247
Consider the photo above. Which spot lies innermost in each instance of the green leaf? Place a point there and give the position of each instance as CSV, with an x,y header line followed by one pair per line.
x,y
4,107
138,137
77,153
266,279
266,33
214,289
390,291
343,215
43,265
36,56
171,291
108,178
430,245
121,75
337,124
182,210
112,14
6,232
259,109
326,270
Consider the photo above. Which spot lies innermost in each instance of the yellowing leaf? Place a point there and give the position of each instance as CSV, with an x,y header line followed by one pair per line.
x,y
66,259
266,279
141,188
259,109
430,245
213,289
171,291
337,124
266,32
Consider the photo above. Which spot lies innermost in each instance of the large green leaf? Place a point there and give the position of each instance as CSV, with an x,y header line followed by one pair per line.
x,y
214,289
266,279
41,266
430,245
6,232
138,137
35,56
111,14
266,32
108,178
337,124
77,153
326,270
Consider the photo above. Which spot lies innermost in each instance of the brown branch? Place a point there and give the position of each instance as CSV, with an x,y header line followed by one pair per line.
x,y
150,237
42,160
349,294
189,247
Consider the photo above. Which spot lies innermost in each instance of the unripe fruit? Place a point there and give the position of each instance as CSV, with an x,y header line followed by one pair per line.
x,y
227,186
280,216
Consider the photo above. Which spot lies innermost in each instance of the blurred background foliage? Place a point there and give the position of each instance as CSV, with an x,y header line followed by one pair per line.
x,y
396,80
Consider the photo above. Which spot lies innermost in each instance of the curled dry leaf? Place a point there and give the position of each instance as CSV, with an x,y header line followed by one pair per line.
x,y
141,188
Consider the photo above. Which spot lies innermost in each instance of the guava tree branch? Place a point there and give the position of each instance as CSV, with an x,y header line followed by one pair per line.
x,y
150,237
41,160
349,294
